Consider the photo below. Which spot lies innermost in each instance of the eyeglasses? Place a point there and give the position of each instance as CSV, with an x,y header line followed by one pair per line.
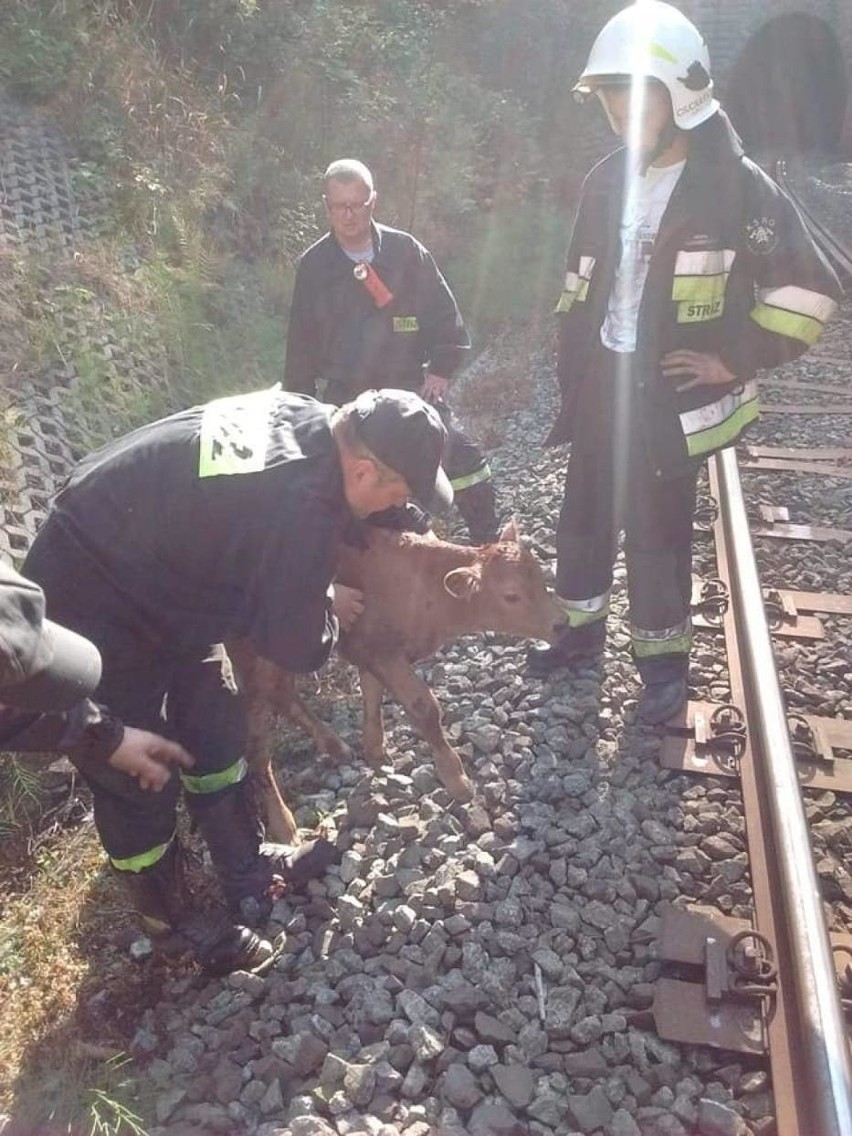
x,y
341,208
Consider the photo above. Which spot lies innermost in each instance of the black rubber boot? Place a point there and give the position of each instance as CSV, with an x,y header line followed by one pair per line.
x,y
575,645
660,701
478,507
247,869
162,899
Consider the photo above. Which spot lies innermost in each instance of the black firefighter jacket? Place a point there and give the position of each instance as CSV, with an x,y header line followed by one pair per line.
x,y
733,273
339,335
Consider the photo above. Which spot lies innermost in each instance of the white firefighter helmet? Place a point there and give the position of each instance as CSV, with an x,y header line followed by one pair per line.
x,y
654,40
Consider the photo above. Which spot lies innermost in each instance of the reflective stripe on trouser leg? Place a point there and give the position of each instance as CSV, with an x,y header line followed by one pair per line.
x,y
462,456
467,480
662,655
675,640
205,783
141,860
580,613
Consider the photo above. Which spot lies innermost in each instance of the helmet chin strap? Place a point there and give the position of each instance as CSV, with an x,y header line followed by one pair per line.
x,y
667,138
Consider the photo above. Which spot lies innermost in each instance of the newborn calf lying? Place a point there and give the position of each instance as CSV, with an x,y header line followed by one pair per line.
x,y
419,593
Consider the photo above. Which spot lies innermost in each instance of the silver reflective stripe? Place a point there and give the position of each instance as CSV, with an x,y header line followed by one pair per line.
x,y
800,300
579,612
715,413
575,280
704,262
675,640
576,286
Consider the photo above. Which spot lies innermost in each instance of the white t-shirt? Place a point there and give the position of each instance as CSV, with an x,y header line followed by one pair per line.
x,y
646,202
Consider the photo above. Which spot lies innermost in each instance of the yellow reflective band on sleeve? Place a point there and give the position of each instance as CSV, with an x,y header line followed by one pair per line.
x,y
235,434
576,286
144,860
803,301
726,430
405,323
798,313
469,479
203,783
794,326
581,612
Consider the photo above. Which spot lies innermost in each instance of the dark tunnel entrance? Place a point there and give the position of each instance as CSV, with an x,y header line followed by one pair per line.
x,y
788,89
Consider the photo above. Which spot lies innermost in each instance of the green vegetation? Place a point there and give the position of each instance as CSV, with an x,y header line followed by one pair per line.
x,y
201,128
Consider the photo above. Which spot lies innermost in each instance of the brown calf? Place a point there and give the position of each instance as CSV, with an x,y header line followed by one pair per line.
x,y
419,593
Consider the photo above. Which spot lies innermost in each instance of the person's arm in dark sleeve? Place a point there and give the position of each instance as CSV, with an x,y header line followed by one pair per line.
x,y
88,733
84,730
796,291
301,367
573,298
444,336
292,622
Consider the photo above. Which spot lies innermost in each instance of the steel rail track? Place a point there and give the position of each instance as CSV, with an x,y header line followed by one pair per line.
x,y
808,1047
772,985
836,251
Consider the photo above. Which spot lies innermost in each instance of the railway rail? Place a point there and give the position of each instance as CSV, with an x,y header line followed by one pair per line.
x,y
777,984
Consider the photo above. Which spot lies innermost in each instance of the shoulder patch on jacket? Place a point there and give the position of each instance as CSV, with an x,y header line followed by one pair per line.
x,y
761,236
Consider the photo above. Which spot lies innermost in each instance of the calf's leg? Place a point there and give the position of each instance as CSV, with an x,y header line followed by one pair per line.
x,y
323,737
373,726
422,708
280,823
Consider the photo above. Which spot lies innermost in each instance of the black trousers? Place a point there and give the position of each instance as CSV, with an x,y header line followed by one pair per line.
x,y
186,694
612,485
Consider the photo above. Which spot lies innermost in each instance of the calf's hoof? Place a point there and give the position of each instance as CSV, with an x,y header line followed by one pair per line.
x,y
375,758
455,781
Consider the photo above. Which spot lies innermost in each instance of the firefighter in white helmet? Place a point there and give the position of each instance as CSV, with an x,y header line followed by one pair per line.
x,y
688,271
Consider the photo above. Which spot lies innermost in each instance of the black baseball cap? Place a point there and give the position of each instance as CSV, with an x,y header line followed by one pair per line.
x,y
43,666
407,434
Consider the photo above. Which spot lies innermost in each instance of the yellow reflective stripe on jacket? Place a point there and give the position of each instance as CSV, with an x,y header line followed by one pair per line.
x,y
144,860
675,640
469,479
704,289
581,612
204,783
798,313
576,286
709,428
235,434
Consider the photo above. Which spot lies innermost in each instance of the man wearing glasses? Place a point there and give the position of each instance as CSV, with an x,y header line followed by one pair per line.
x,y
371,309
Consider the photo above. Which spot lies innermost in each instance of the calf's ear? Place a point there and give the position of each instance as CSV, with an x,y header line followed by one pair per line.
x,y
462,583
511,532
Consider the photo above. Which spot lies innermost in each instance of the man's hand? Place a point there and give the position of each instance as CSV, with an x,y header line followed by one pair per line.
x,y
700,369
435,386
348,603
148,758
